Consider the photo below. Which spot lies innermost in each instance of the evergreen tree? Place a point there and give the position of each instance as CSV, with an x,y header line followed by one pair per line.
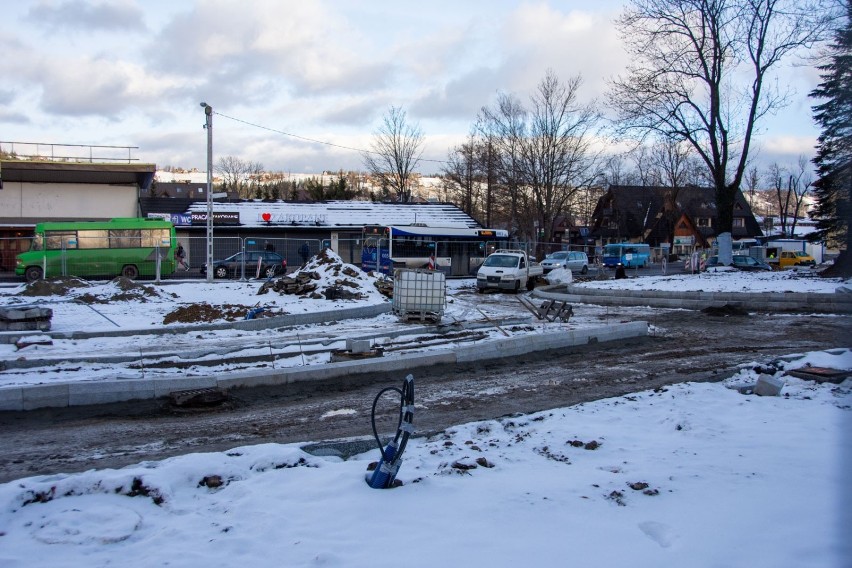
x,y
834,152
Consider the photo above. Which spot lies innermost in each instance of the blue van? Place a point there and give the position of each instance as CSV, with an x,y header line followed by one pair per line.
x,y
628,254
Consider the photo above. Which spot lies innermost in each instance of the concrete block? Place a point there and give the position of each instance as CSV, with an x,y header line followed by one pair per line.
x,y
12,398
357,345
104,392
42,396
767,385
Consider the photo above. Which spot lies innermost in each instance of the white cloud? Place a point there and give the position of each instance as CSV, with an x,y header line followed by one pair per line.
x,y
78,16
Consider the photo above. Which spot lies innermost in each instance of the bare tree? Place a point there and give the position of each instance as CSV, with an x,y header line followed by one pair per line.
x,y
396,150
673,160
752,182
558,158
463,174
646,171
545,151
700,73
503,126
237,175
791,185
614,171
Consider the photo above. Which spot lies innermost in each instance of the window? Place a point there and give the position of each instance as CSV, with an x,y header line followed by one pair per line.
x,y
58,240
92,239
739,222
125,238
156,238
704,222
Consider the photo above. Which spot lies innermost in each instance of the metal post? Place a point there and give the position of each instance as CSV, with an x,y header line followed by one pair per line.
x,y
208,111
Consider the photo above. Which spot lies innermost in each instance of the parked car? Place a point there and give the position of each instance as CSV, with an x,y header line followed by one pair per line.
x,y
572,260
271,264
741,262
508,269
791,259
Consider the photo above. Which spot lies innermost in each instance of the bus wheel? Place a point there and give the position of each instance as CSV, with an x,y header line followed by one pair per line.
x,y
130,271
33,273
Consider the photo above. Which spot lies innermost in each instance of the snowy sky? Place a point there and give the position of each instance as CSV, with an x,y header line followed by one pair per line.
x,y
133,73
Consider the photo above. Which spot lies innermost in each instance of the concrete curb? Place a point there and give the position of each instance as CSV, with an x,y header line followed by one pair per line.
x,y
250,325
59,395
762,302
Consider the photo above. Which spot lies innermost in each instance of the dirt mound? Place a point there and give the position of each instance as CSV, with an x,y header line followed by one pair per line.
x,y
53,286
205,313
120,290
324,275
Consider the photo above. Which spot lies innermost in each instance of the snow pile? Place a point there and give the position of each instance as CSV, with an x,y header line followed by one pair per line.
x,y
803,281
694,474
559,276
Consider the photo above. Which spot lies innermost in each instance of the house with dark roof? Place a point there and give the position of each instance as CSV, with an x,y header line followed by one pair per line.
x,y
682,219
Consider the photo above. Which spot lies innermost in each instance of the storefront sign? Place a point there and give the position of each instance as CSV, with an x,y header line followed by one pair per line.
x,y
293,218
219,218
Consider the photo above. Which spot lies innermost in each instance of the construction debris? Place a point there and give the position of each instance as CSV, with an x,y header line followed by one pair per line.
x,y
549,310
25,318
301,283
767,385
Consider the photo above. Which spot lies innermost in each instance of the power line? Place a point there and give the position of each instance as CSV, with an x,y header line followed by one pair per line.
x,y
332,144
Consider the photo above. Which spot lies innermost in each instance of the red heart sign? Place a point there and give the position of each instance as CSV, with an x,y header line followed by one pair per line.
x,y
266,217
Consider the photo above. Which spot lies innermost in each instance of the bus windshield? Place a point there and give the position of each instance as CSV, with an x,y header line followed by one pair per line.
x,y
37,243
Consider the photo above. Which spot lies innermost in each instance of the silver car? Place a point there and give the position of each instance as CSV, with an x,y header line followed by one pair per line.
x,y
572,260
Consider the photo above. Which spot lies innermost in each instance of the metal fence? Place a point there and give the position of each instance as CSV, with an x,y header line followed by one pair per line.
x,y
240,254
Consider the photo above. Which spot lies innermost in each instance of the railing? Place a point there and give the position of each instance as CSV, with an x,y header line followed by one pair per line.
x,y
34,151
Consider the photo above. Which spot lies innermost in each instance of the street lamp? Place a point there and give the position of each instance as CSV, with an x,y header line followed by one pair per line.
x,y
208,112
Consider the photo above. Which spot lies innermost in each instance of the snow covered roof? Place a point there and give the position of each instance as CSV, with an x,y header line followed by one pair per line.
x,y
340,214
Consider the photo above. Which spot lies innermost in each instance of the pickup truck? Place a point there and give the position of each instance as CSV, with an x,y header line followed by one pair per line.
x,y
789,259
508,269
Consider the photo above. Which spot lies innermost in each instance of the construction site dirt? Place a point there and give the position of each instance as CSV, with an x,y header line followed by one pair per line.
x,y
682,346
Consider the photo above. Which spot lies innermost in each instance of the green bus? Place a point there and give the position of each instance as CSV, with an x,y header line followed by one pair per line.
x,y
128,247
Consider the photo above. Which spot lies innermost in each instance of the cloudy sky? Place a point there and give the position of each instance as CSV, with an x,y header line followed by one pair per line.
x,y
133,72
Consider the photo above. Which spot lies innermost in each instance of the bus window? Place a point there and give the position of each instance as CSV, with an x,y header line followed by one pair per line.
x,y
125,238
92,239
58,240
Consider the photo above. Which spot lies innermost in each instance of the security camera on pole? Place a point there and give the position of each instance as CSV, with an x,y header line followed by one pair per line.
x,y
208,111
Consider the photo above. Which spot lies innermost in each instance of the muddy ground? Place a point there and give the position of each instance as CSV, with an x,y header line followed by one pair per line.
x,y
684,346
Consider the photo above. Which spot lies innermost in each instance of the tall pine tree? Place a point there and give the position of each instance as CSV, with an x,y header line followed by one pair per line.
x,y
833,189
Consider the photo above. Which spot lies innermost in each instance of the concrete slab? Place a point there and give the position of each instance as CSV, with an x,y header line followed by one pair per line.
x,y
43,396
12,398
104,392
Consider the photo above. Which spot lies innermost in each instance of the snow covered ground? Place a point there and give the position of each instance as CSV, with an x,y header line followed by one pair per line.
x,y
695,475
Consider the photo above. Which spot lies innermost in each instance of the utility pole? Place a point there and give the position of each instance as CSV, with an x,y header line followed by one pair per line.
x,y
208,112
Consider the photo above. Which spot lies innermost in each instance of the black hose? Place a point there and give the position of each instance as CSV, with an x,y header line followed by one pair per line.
x,y
373,414
405,425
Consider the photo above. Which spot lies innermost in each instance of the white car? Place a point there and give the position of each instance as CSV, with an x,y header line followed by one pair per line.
x,y
572,260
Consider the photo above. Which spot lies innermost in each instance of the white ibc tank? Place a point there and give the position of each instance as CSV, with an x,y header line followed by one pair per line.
x,y
419,294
